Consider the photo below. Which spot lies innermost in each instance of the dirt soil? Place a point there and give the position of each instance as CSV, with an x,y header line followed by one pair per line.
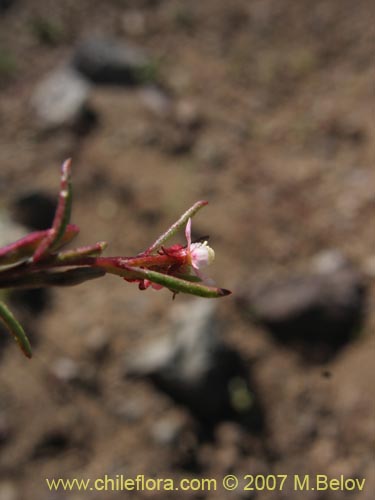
x,y
270,120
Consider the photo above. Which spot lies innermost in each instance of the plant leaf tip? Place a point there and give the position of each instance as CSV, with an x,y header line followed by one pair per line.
x,y
28,354
67,164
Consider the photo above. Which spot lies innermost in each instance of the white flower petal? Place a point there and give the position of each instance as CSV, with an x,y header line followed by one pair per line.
x,y
201,255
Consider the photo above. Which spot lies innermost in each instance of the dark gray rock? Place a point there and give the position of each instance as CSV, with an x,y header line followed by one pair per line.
x,y
192,365
317,313
5,428
5,4
34,209
109,61
33,301
61,100
52,443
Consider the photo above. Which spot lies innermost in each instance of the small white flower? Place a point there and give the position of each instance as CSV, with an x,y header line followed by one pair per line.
x,y
199,254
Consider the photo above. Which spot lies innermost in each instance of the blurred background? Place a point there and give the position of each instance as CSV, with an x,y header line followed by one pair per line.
x,y
261,107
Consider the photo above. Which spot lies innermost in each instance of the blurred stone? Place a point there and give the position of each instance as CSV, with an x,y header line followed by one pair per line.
x,y
97,343
60,100
110,61
167,431
34,300
65,369
129,410
317,313
82,375
5,4
188,114
8,491
192,365
329,261
156,100
52,443
34,209
5,429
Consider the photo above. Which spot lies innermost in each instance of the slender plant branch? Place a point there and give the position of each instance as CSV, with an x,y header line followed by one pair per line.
x,y
37,260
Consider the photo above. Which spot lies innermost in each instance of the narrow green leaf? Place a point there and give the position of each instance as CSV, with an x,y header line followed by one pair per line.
x,y
70,256
15,329
175,227
62,215
64,207
177,284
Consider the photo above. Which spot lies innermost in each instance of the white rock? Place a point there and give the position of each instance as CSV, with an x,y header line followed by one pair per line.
x,y
60,99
